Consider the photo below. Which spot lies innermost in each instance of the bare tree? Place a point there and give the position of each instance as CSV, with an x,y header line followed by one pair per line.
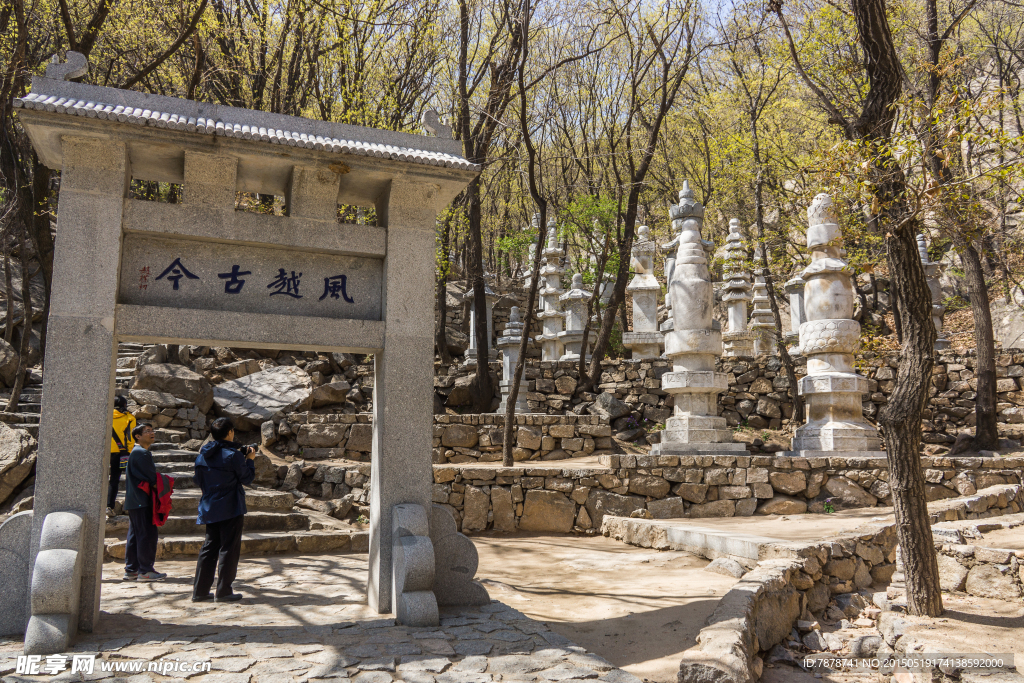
x,y
901,416
656,54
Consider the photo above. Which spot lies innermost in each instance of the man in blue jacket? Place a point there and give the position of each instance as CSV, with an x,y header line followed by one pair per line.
x,y
222,468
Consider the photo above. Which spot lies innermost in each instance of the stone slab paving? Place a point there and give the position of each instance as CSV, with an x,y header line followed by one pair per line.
x,y
305,618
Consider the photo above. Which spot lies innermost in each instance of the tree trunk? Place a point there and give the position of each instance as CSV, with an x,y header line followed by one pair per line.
x,y
441,290
483,391
901,422
508,435
9,283
42,240
986,435
26,325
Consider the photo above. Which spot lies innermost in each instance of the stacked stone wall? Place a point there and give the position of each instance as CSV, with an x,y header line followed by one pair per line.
x,y
980,571
479,438
549,497
793,579
758,399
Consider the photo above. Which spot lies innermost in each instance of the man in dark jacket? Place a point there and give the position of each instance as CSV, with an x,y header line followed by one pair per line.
x,y
140,550
222,469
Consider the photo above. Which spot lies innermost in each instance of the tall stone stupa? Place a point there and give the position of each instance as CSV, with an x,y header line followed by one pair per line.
x,y
693,345
832,388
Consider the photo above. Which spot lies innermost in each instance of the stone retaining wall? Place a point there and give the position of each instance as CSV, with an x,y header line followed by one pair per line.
x,y
479,438
980,571
321,435
758,393
762,608
562,498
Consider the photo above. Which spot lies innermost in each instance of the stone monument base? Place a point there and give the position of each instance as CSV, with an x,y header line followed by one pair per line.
x,y
643,344
677,448
837,438
852,455
737,344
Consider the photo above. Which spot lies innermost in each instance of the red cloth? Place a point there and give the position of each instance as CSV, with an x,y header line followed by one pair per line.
x,y
161,495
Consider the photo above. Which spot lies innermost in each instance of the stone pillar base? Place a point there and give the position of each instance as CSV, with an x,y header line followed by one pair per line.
x,y
680,448
837,438
826,454
738,344
644,344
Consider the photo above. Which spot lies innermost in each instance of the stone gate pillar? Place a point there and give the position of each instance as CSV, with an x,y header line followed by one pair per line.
x,y
80,356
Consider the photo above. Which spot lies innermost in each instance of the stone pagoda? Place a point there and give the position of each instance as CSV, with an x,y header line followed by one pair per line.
x,y
508,343
669,249
736,293
762,321
931,271
795,290
551,315
490,297
574,305
693,346
832,388
645,341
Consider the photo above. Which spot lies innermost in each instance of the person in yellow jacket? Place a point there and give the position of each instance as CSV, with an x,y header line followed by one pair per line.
x,y
121,444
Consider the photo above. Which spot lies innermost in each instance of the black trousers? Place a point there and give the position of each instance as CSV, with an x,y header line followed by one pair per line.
x,y
140,552
221,551
115,478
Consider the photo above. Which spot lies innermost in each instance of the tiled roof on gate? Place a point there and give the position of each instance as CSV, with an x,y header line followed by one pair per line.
x,y
188,120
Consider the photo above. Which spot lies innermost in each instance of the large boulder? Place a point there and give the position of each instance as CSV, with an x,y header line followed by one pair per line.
x,y
462,392
849,493
154,354
608,406
331,393
600,503
8,363
547,511
252,400
148,397
17,458
176,380
986,581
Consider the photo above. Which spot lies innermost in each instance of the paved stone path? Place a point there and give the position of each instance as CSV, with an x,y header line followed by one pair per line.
x,y
304,618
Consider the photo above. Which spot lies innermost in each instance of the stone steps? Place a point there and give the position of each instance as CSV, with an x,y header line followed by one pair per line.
x,y
185,525
182,481
19,418
259,543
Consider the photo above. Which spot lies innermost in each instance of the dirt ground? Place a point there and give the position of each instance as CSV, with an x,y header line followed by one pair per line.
x,y
637,608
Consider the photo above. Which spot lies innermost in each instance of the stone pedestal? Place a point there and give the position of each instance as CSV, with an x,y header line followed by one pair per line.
x,y
645,341
931,271
508,344
795,290
736,293
832,389
551,316
574,305
490,297
693,346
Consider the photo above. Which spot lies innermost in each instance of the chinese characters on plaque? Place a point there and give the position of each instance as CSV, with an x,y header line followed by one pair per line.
x,y
286,282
